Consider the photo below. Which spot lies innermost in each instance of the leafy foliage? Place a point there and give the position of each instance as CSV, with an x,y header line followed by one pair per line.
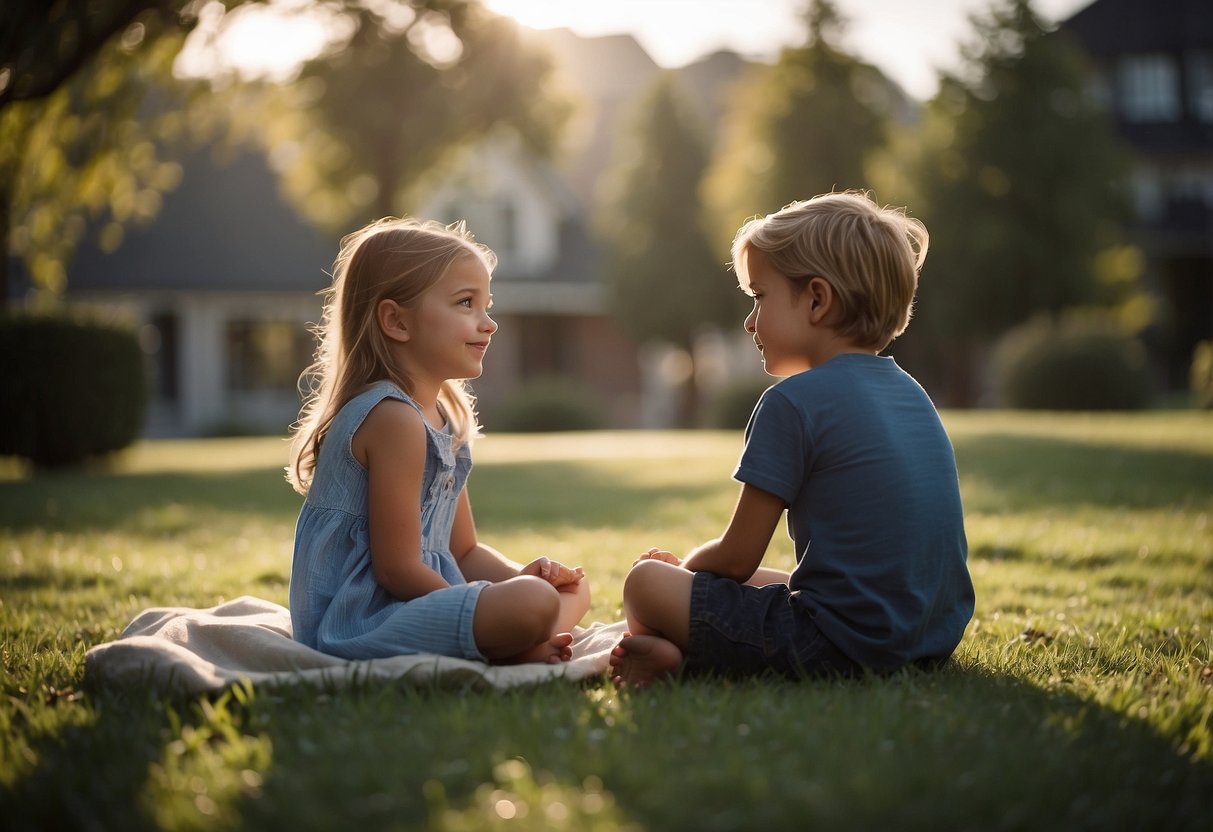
x,y
366,123
803,127
548,404
75,389
1075,362
664,283
1021,182
88,124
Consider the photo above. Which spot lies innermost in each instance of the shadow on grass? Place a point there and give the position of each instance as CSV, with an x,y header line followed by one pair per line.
x,y
541,495
78,502
957,749
506,497
1022,473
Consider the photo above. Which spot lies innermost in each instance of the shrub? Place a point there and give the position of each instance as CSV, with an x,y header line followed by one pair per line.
x,y
735,402
1200,376
1081,361
549,404
73,389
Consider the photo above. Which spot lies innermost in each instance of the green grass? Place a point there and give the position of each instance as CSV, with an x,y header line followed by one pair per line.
x,y
1081,697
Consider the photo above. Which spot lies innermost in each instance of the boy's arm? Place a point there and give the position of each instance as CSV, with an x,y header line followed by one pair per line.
x,y
740,550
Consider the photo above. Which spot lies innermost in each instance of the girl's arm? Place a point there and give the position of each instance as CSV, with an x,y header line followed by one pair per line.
x,y
738,553
477,561
391,445
481,562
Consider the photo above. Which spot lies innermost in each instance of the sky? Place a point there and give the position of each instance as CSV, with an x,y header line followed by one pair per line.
x,y
908,39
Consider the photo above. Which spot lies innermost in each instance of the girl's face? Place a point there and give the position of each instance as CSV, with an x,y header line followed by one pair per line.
x,y
449,328
779,321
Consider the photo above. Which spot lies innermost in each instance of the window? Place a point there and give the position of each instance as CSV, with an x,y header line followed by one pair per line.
x,y
160,341
491,219
266,355
1149,88
1200,85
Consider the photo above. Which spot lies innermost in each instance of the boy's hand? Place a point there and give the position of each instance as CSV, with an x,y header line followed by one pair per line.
x,y
557,574
661,555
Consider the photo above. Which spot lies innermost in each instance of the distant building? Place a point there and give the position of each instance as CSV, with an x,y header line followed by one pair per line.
x,y
222,287
226,280
1155,64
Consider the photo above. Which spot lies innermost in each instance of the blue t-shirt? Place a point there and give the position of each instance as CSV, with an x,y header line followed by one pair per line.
x,y
857,451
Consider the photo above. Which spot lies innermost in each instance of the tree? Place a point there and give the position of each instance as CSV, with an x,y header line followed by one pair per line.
x,y
367,123
803,127
78,145
665,285
1021,183
44,43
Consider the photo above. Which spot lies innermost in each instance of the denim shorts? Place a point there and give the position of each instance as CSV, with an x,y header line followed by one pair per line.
x,y
740,630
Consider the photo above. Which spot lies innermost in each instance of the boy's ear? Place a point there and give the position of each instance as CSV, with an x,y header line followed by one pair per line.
x,y
820,295
391,319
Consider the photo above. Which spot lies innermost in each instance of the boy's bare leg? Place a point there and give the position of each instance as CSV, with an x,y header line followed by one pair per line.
x,y
765,576
638,660
657,602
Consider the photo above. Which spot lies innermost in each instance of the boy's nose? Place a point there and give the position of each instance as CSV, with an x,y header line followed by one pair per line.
x,y
750,321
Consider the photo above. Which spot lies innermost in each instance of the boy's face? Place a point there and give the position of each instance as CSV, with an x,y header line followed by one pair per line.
x,y
779,322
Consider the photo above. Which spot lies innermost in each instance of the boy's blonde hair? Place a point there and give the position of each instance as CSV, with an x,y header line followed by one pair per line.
x,y
869,255
390,259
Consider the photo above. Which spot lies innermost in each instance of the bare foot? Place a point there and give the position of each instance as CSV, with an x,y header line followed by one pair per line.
x,y
553,651
638,660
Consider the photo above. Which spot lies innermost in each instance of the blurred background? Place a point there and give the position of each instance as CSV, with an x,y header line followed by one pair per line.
x,y
185,170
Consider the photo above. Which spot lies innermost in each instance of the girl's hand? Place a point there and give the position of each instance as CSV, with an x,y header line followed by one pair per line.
x,y
557,574
661,555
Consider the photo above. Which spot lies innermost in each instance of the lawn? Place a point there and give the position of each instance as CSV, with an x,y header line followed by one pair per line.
x,y
1081,697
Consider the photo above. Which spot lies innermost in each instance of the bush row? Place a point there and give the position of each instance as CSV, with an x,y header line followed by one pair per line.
x,y
73,389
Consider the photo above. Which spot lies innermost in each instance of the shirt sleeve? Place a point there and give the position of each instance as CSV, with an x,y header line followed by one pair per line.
x,y
774,457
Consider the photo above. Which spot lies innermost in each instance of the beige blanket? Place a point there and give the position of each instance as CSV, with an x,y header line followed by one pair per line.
x,y
199,651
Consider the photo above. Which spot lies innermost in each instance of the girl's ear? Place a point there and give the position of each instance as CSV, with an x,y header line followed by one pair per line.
x,y
391,319
820,295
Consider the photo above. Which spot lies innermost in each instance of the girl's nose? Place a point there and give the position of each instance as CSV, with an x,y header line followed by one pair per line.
x,y
489,325
751,320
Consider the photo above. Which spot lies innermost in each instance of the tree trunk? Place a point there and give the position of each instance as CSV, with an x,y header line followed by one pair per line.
x,y
4,249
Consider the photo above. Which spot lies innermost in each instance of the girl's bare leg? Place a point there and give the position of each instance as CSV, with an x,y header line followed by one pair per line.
x,y
515,620
573,607
553,651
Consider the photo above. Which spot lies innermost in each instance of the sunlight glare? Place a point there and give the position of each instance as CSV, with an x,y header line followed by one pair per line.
x,y
266,41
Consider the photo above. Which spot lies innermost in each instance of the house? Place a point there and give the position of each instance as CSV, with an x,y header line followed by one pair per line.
x,y
224,284
1155,69
222,287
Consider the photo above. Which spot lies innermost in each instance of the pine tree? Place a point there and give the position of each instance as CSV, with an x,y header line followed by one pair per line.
x,y
803,127
1020,181
664,283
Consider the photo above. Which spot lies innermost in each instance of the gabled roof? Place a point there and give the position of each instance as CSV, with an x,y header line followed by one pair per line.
x,y
225,228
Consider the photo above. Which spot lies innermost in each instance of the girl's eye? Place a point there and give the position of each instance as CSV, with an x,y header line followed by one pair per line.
x,y
466,302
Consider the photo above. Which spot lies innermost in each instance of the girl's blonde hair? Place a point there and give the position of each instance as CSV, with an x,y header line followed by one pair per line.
x,y
390,259
870,255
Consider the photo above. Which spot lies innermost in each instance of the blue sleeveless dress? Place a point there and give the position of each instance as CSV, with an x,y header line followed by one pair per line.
x,y
336,605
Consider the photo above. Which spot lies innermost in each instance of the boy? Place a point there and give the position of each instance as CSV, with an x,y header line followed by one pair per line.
x,y
850,445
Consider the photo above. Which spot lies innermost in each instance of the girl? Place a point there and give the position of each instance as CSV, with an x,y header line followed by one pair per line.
x,y
386,556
